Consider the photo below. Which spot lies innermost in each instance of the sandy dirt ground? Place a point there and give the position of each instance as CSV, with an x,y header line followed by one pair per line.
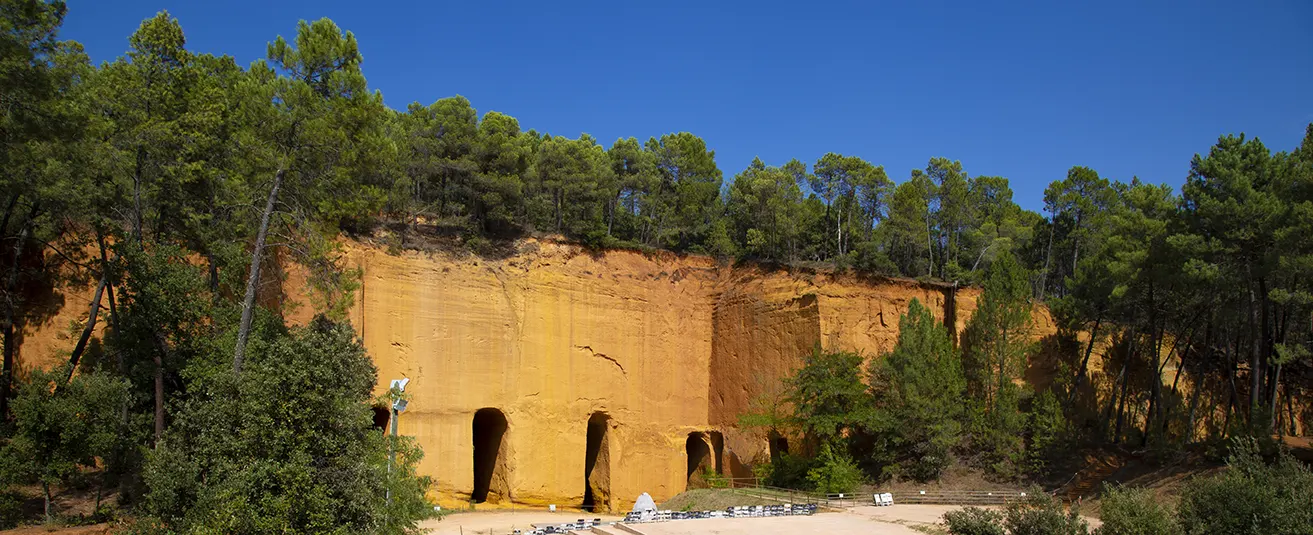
x,y
891,520
502,522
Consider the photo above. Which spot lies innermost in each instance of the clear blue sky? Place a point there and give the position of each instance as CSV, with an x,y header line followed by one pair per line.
x,y
1019,89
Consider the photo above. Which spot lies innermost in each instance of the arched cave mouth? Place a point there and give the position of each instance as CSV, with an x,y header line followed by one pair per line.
x,y
597,469
381,418
489,456
698,452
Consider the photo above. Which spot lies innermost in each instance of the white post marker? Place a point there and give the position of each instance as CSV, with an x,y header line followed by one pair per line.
x,y
552,508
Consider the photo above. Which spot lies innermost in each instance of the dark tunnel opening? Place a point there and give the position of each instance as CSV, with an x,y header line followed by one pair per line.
x,y
597,469
489,456
698,452
381,418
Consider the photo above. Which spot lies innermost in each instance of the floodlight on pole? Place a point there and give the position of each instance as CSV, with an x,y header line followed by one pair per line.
x,y
398,406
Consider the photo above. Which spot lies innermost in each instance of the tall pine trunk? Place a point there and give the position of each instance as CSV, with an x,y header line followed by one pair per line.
x,y
1084,363
1048,257
90,328
1255,377
1276,387
253,279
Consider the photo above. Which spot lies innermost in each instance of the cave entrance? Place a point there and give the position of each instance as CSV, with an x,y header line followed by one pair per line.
x,y
699,454
490,481
597,464
778,446
381,418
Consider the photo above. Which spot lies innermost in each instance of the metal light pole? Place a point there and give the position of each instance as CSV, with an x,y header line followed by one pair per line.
x,y
398,386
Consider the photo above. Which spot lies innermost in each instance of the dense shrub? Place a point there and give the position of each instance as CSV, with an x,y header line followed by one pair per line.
x,y
1041,514
1128,511
789,471
61,426
974,521
1251,497
11,509
834,472
288,446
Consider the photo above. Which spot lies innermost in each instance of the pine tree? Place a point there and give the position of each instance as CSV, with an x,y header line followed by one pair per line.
x,y
917,390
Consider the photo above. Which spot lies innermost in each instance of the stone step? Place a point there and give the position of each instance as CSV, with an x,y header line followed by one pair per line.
x,y
626,528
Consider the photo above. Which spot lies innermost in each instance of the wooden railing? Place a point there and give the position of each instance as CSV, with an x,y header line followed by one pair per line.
x,y
754,487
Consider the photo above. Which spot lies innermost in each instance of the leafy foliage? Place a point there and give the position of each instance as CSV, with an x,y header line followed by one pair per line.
x,y
995,346
1041,514
60,427
917,392
287,446
1131,511
827,393
834,472
1252,496
974,521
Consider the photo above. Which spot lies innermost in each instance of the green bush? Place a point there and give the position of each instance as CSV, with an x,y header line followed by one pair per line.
x,y
868,258
61,426
1129,511
1048,429
11,509
834,472
790,471
974,521
288,446
1041,514
1251,497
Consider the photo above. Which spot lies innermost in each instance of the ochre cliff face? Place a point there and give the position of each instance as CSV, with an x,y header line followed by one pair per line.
x,y
665,347
661,352
548,338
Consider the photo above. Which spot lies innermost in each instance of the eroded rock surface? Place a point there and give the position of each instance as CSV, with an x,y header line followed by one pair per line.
x,y
663,346
659,347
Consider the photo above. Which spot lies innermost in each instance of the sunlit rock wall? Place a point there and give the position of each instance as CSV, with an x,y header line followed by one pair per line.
x,y
662,344
665,346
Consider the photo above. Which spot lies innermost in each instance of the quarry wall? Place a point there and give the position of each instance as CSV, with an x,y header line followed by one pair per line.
x,y
558,375
664,351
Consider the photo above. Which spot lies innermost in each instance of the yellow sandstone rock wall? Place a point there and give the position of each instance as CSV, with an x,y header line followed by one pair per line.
x,y
657,346
661,344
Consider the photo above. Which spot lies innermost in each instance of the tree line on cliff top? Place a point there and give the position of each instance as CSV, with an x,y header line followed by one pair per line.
x,y
166,179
